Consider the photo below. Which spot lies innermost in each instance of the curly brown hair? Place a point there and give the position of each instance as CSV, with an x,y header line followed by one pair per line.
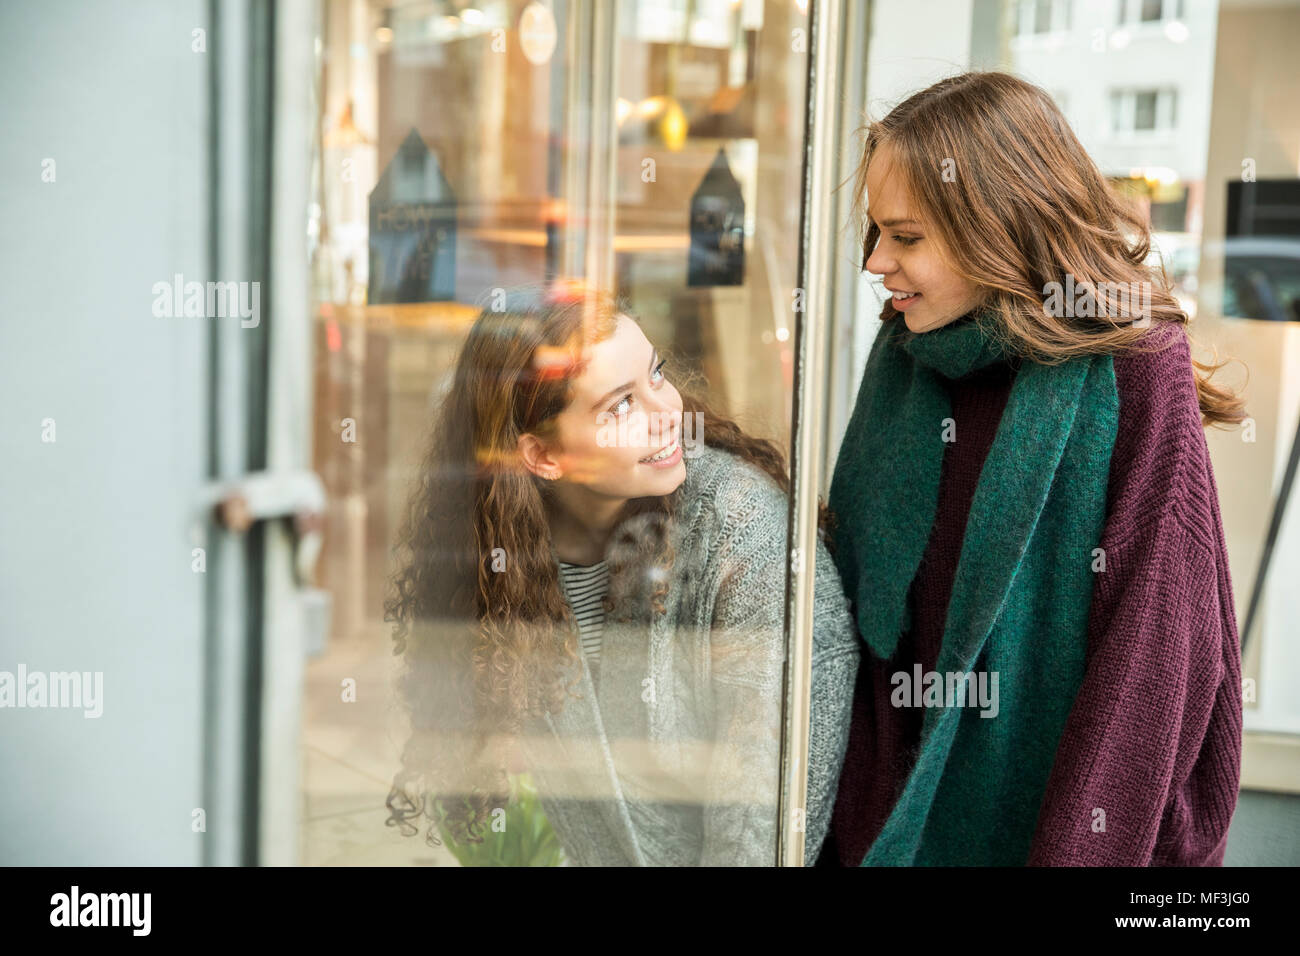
x,y
486,648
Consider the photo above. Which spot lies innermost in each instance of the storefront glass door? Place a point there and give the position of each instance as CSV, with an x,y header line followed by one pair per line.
x,y
513,158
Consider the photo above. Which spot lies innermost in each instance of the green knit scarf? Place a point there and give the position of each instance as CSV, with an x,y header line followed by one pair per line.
x,y
1021,595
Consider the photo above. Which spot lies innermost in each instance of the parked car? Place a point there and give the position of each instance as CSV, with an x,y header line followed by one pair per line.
x,y
1261,278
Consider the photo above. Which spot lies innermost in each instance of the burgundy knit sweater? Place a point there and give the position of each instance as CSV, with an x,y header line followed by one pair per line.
x,y
1154,737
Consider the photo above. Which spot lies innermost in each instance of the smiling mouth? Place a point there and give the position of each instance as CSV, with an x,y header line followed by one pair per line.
x,y
661,454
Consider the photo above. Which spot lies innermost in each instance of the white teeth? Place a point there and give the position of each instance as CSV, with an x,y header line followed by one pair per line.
x,y
663,454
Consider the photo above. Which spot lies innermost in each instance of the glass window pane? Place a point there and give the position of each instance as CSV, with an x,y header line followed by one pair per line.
x,y
580,546
1042,16
1144,111
1117,101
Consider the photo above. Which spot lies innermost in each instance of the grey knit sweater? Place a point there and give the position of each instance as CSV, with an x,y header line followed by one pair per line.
x,y
675,760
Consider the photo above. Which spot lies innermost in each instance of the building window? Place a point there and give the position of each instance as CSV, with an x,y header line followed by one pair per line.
x,y
1036,17
1149,11
1143,110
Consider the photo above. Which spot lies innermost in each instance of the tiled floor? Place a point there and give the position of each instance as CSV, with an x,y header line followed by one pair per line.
x,y
350,753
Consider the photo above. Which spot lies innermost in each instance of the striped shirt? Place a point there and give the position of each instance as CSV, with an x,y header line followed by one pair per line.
x,y
584,588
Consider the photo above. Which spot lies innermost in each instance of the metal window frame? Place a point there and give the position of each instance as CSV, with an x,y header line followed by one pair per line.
x,y
260,394
839,38
237,162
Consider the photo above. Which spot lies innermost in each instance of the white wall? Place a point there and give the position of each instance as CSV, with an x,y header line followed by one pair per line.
x,y
1096,55
95,528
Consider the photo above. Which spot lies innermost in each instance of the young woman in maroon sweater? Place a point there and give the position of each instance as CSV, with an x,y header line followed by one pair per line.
x,y
1117,740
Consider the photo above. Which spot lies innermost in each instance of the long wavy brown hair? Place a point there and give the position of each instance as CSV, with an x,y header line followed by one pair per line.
x,y
994,168
486,638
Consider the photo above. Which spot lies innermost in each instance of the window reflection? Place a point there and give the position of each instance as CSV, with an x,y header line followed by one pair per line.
x,y
463,149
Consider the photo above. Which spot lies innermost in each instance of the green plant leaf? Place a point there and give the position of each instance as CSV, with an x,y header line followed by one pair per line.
x,y
528,840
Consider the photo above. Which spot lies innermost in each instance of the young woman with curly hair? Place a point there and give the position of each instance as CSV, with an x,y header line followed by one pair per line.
x,y
587,594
